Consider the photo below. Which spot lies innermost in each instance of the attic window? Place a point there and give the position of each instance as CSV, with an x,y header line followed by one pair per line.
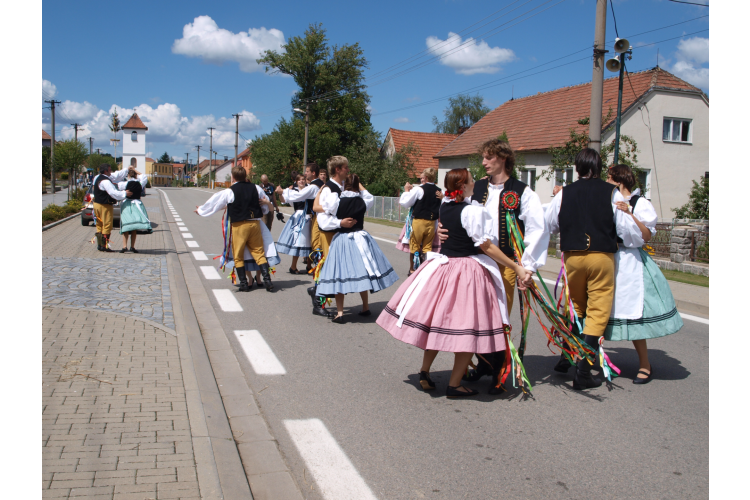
x,y
134,136
677,130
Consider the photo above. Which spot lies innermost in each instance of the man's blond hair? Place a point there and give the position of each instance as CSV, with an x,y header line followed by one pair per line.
x,y
430,174
335,163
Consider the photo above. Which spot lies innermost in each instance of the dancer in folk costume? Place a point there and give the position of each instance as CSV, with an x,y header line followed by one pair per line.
x,y
354,262
424,204
498,160
327,197
455,301
586,216
106,195
295,237
245,203
643,307
133,216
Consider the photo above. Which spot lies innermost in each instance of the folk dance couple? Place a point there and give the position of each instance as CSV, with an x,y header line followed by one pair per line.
x,y
252,244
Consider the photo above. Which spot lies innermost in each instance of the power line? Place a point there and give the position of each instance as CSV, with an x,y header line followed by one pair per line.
x,y
690,3
614,18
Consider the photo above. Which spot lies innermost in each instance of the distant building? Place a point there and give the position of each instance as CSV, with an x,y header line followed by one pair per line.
x,y
46,139
429,144
134,143
159,174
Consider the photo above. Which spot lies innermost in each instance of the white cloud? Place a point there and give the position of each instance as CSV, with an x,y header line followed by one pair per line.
x,y
77,111
49,90
472,57
691,55
401,119
204,39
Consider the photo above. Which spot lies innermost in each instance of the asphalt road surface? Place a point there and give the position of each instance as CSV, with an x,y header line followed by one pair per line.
x,y
621,441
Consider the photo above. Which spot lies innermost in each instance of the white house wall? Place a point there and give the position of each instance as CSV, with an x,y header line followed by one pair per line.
x,y
134,149
447,164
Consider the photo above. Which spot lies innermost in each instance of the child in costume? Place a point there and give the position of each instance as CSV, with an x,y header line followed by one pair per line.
x,y
455,301
245,203
133,216
424,202
643,307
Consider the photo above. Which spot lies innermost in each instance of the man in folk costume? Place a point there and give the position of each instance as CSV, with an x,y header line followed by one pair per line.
x,y
106,195
246,204
498,161
425,199
338,166
586,216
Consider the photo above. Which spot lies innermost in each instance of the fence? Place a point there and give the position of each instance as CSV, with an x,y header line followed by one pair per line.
x,y
388,208
699,246
661,244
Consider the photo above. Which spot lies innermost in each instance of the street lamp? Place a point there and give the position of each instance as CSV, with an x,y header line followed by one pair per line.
x,y
617,63
305,112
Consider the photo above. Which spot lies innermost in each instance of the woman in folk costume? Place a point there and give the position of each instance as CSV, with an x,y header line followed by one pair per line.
x,y
643,307
455,301
295,237
586,216
133,216
424,204
354,262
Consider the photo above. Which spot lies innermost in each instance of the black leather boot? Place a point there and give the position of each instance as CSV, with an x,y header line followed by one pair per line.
x,y
584,379
105,243
316,301
99,242
242,277
264,271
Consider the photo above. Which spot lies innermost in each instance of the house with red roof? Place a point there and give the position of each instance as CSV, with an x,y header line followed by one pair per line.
x,y
666,116
46,139
428,143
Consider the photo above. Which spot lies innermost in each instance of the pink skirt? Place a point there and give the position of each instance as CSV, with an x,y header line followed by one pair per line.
x,y
456,311
405,247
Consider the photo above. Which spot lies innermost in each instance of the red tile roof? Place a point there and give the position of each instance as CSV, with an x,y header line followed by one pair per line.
x,y
544,120
429,144
204,164
246,152
45,135
150,159
135,122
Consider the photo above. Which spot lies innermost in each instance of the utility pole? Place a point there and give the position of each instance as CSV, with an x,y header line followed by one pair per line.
x,y
307,123
198,165
597,79
91,144
52,103
185,170
99,151
236,136
70,172
210,152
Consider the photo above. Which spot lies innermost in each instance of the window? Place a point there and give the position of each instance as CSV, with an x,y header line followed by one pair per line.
x,y
644,182
677,130
563,178
133,162
528,177
134,136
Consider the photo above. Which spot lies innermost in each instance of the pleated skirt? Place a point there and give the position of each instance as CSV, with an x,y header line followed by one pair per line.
x,y
293,242
344,269
133,217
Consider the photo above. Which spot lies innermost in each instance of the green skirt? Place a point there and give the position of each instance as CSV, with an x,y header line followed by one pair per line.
x,y
660,316
133,217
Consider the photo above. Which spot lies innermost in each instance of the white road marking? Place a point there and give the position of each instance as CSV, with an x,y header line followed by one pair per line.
x,y
209,272
383,239
330,467
180,223
200,256
694,318
227,301
193,244
182,228
259,353
187,235
178,219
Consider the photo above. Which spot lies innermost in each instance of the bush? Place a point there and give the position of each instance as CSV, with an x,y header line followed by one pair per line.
x,y
78,194
72,206
52,213
64,176
379,189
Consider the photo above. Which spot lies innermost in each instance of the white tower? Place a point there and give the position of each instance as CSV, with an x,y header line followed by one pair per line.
x,y
134,144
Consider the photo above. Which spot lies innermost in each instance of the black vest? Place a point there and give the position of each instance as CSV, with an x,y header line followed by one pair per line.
x,y
136,188
319,183
459,244
355,208
298,205
481,193
100,195
428,207
246,203
633,200
334,188
586,217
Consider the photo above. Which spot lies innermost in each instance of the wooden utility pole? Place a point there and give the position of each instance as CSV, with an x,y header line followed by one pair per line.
x,y
236,136
71,178
91,144
597,79
52,103
185,170
210,152
198,165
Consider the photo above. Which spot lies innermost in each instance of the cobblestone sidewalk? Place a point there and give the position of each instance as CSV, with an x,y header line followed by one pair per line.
x,y
115,422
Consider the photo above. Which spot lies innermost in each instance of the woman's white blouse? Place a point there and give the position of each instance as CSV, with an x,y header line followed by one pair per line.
x,y
327,221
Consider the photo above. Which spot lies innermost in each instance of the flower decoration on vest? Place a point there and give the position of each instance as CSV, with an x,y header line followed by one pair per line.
x,y
510,200
453,194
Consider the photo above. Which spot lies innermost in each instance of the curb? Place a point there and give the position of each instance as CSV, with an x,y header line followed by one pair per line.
x,y
57,222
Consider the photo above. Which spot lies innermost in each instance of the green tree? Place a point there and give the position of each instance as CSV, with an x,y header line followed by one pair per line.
x,y
382,176
477,169
164,158
46,163
337,122
462,112
70,156
114,126
697,205
94,160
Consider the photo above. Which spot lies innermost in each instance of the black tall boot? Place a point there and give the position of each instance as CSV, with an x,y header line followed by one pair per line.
x,y
316,301
99,242
584,379
105,243
243,279
498,361
563,365
264,271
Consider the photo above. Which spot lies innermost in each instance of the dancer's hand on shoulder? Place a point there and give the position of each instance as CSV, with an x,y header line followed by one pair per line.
x,y
442,232
348,222
556,190
439,195
407,187
622,205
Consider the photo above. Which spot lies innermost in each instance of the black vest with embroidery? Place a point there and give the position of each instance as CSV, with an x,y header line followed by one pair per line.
x,y
100,195
459,244
246,203
428,208
586,217
633,201
482,192
354,207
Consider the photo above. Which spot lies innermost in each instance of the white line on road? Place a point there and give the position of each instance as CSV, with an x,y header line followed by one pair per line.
x,y
180,223
182,228
259,353
209,272
333,471
193,244
383,239
694,318
200,256
187,235
227,301
178,219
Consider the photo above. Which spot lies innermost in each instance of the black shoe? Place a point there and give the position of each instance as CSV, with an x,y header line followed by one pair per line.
x,y
264,271
319,311
311,291
646,380
293,271
133,250
364,313
585,380
338,319
123,250
459,392
480,371
563,365
425,381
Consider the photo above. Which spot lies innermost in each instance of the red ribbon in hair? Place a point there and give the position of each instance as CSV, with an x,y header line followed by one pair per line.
x,y
453,194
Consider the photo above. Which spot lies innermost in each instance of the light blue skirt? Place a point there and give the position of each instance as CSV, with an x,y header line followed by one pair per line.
x,y
660,316
344,269
133,217
294,241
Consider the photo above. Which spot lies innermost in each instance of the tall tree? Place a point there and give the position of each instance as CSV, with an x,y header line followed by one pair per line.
x,y
46,163
165,158
462,112
94,160
697,205
70,156
383,176
477,168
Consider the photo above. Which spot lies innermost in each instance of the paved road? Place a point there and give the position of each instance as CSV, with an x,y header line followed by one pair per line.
x,y
626,441
59,198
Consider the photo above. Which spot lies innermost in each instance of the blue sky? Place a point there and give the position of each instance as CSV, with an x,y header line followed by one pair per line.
x,y
185,66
